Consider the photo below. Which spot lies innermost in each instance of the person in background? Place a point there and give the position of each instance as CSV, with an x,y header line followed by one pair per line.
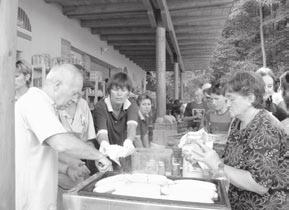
x,y
39,136
115,119
269,80
284,85
255,160
195,110
218,119
144,121
176,109
276,94
23,75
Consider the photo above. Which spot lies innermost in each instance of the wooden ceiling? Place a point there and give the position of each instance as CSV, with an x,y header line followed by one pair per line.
x,y
192,27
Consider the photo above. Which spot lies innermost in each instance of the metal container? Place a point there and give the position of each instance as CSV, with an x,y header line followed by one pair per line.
x,y
82,197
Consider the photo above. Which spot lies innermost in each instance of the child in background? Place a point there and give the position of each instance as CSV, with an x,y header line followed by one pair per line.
x,y
195,110
217,120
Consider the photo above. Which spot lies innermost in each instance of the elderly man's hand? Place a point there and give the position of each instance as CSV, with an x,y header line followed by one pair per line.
x,y
78,173
103,164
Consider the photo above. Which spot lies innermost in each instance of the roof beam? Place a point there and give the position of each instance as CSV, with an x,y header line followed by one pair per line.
x,y
200,21
185,4
133,43
128,37
114,23
138,51
200,28
109,15
201,11
196,39
170,52
123,30
103,8
138,47
150,13
197,43
166,18
197,36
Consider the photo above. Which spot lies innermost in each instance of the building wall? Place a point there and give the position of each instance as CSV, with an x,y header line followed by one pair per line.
x,y
49,25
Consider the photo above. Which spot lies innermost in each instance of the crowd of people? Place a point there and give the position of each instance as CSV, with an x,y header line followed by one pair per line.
x,y
56,133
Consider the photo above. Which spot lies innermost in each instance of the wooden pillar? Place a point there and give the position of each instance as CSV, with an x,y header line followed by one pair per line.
x,y
182,85
161,70
8,17
176,79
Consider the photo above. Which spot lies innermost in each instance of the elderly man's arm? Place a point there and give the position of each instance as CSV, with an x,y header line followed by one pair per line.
x,y
71,145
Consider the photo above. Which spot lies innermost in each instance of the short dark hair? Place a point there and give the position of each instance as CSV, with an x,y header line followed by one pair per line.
x,y
120,80
216,88
246,83
284,80
142,97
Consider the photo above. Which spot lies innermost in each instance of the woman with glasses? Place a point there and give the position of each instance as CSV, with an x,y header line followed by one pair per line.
x,y
255,160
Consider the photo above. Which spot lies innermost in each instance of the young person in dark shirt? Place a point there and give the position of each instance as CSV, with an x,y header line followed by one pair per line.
x,y
195,110
217,120
115,119
144,121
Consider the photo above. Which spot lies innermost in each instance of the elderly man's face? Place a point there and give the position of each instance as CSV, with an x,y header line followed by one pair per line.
x,y
68,93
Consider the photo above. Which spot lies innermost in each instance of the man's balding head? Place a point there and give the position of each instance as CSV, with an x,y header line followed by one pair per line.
x,y
66,73
64,84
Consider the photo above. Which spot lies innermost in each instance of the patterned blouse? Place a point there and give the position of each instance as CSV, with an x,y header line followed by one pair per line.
x,y
260,148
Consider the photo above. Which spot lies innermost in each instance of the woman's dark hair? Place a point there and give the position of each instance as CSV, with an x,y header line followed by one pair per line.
x,y
247,83
119,80
284,80
142,97
24,69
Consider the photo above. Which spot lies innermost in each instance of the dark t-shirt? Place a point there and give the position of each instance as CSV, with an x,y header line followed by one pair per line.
x,y
277,111
197,111
143,126
116,126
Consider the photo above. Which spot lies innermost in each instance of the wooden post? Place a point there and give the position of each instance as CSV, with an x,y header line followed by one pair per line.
x,y
8,17
176,78
182,85
161,70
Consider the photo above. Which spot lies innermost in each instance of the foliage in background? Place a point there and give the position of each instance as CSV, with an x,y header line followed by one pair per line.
x,y
240,48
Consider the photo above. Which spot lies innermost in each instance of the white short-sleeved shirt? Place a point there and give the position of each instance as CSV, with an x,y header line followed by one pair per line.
x,y
81,123
36,162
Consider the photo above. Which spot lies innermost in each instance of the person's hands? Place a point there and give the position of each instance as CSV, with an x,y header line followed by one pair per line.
x,y
77,173
114,152
128,147
104,146
206,155
103,164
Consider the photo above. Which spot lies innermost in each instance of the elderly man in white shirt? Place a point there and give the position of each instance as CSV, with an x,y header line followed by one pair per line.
x,y
39,136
